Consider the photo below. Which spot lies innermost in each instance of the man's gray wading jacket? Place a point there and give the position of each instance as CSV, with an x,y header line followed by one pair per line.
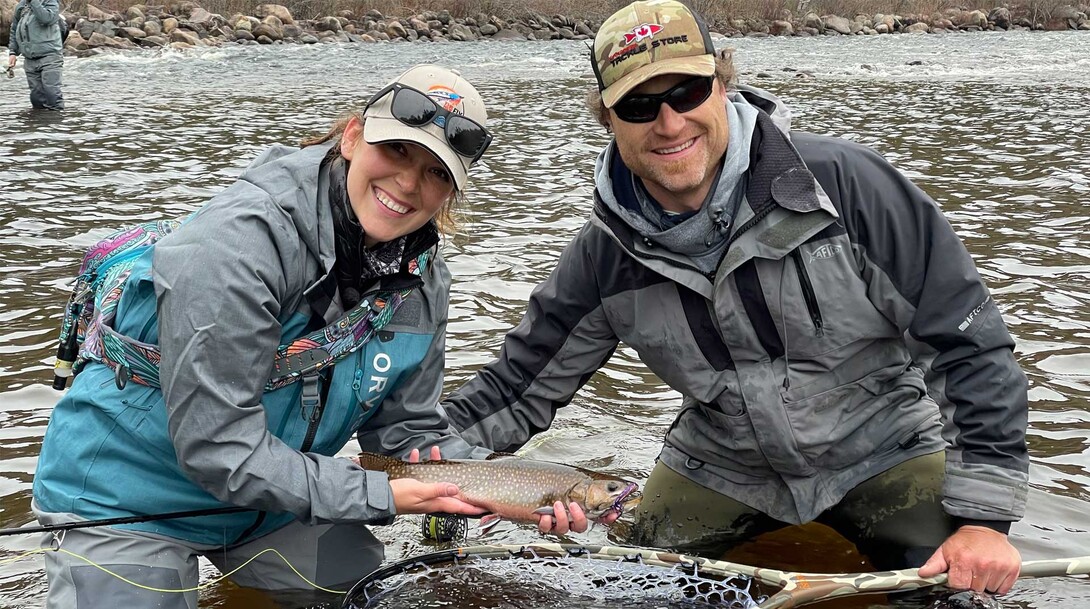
x,y
845,317
35,29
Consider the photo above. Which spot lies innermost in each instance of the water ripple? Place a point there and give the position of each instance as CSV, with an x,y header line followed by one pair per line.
x,y
991,126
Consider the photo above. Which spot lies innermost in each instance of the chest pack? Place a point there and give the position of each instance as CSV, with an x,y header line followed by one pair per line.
x,y
88,334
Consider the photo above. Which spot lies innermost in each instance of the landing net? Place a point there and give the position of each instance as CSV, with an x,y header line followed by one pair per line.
x,y
551,575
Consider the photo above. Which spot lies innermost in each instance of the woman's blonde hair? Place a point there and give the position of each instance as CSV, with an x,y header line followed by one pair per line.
x,y
724,73
445,220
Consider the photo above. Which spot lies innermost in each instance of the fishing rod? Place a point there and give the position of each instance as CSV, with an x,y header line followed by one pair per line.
x,y
436,527
83,524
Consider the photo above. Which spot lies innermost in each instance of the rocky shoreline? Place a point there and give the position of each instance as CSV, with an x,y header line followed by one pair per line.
x,y
183,24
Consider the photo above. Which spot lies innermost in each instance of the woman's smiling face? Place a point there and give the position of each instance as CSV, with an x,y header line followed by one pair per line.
x,y
395,187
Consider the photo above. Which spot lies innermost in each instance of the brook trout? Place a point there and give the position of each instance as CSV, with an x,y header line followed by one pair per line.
x,y
516,488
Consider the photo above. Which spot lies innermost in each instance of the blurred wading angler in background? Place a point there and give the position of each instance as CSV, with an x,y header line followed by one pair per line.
x,y
37,33
345,228
840,357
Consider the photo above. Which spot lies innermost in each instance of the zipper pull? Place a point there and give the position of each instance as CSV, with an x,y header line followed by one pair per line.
x,y
720,227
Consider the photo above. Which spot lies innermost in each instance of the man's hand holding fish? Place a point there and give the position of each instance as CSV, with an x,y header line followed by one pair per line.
x,y
573,519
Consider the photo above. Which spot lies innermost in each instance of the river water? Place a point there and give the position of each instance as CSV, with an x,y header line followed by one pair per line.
x,y
994,126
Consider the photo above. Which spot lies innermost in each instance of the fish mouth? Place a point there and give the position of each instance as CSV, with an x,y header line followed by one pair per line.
x,y
628,495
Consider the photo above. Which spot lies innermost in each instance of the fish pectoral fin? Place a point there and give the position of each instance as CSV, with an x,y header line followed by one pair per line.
x,y
487,524
548,509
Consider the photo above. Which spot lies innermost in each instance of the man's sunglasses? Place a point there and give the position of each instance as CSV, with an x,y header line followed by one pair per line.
x,y
683,97
464,135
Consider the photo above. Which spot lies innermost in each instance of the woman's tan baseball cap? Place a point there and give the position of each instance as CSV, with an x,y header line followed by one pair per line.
x,y
448,90
647,39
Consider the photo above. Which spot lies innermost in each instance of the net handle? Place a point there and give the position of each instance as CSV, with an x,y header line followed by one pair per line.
x,y
805,588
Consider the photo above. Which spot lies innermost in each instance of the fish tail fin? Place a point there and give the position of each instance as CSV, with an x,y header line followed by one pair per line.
x,y
376,462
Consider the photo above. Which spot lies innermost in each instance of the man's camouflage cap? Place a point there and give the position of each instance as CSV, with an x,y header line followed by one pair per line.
x,y
646,39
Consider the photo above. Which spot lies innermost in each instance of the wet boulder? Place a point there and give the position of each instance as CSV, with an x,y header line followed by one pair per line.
x,y
267,30
1000,17
179,7
508,34
96,14
153,42
134,34
420,26
394,29
838,24
327,24
186,37
461,33
279,11
1064,18
75,42
99,40
973,19
781,27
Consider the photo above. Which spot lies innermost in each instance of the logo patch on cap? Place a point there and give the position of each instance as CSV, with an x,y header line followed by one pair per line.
x,y
641,32
445,97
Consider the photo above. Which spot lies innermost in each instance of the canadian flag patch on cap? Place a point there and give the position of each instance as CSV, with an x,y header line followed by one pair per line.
x,y
642,32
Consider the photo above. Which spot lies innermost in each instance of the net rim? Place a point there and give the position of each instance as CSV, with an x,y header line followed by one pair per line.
x,y
647,556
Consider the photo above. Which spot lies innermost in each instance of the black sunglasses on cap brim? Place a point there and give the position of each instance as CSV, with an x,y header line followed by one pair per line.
x,y
683,97
414,108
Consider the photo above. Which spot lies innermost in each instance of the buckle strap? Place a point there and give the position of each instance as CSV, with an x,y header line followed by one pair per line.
x,y
311,397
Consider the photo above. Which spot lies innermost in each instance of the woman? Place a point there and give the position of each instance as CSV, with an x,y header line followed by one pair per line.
x,y
348,222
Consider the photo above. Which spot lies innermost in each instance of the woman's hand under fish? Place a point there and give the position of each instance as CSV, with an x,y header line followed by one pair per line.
x,y
416,497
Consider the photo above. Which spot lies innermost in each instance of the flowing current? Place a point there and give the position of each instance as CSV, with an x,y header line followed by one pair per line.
x,y
993,126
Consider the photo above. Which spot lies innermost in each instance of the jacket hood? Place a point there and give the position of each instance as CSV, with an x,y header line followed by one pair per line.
x,y
770,104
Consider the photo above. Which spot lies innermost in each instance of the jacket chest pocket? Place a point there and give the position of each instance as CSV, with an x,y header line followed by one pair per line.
x,y
819,302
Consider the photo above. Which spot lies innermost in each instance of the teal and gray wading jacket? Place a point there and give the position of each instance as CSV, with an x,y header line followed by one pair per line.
x,y
35,29
251,270
845,330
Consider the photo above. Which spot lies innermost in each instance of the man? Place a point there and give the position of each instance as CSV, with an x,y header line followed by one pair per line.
x,y
36,35
840,358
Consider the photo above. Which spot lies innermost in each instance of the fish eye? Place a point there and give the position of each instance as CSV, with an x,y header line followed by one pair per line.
x,y
613,486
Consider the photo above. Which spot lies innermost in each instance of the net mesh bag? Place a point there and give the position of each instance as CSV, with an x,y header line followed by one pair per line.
x,y
543,576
